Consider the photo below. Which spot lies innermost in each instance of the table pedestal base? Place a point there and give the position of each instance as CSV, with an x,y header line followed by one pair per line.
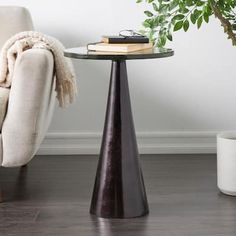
x,y
119,190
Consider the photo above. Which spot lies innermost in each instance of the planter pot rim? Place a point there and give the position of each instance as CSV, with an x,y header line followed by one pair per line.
x,y
229,135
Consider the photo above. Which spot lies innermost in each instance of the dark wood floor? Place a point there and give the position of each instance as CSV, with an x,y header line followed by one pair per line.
x,y
52,197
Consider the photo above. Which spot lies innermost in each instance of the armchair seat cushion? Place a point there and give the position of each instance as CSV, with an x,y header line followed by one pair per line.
x,y
4,95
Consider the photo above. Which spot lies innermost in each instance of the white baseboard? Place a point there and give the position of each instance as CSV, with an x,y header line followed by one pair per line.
x,y
149,143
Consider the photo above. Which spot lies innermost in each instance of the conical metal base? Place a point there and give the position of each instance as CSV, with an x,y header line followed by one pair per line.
x,y
119,190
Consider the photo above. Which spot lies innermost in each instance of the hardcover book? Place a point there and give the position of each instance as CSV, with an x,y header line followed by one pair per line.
x,y
122,39
125,48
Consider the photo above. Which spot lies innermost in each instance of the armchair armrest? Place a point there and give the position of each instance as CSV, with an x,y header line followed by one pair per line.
x,y
30,107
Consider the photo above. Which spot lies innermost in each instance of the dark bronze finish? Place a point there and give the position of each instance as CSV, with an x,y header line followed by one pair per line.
x,y
119,190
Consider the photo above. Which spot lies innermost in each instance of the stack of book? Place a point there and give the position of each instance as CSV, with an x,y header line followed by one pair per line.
x,y
121,44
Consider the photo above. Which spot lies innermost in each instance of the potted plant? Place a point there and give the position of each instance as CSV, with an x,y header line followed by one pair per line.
x,y
167,16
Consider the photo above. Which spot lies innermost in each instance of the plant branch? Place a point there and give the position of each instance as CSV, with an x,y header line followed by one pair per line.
x,y
225,23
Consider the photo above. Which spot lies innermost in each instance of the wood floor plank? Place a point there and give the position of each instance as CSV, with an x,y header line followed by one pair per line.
x,y
52,197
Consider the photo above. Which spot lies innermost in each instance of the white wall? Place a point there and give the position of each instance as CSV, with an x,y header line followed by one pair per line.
x,y
179,103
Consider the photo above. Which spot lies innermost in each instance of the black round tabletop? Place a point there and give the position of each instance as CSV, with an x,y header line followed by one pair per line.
x,y
83,53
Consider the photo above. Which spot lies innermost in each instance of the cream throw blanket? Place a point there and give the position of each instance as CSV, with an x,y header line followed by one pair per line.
x,y
65,77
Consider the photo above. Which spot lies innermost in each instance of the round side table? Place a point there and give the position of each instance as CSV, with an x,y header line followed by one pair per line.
x,y
119,190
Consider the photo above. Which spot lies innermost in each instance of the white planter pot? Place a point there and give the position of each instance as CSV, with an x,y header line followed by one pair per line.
x,y
226,163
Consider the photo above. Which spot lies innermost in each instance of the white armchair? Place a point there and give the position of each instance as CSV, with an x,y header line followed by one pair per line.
x,y
31,96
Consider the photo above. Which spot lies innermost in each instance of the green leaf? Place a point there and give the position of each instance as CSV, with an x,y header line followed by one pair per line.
x,y
169,37
189,3
155,7
200,3
199,22
178,25
163,40
138,1
197,13
186,25
184,10
148,13
156,22
161,19
206,17
150,1
173,5
178,17
193,18
146,24
208,10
